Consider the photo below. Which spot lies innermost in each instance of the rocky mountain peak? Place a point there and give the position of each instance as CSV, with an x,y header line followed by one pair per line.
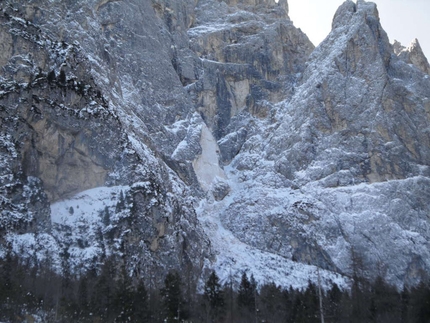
x,y
344,13
349,123
352,64
413,54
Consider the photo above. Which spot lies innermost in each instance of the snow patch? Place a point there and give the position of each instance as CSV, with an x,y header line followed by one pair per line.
x,y
84,207
206,166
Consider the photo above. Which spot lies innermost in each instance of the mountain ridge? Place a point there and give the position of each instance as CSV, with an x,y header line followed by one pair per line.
x,y
190,125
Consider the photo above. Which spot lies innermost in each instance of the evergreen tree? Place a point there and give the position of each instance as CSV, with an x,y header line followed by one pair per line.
x,y
419,305
66,290
171,294
124,298
62,77
51,76
106,216
102,297
384,306
83,297
289,303
345,308
120,205
230,297
140,304
273,303
359,301
298,309
404,299
7,288
214,296
311,304
333,306
246,297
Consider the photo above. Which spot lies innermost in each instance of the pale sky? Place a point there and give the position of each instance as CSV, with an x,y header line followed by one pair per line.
x,y
403,20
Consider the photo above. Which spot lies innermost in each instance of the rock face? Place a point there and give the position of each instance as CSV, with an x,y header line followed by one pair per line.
x,y
176,131
352,110
250,54
351,133
60,136
413,54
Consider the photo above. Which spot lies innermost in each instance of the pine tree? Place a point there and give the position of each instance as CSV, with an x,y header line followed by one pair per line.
x,y
419,305
311,303
333,308
171,294
273,303
102,297
6,275
289,303
51,76
214,296
140,304
7,288
246,299
106,216
65,271
124,301
62,78
384,303
82,299
120,205
359,301
404,297
298,309
230,297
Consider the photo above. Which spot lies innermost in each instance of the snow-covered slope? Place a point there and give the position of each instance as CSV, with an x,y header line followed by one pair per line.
x,y
233,257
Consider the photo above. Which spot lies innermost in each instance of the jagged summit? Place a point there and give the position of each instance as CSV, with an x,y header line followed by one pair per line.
x,y
348,74
413,54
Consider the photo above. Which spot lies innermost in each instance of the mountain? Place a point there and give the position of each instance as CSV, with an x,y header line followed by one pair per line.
x,y
213,135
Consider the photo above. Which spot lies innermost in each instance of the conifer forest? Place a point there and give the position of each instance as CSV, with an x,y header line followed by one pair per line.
x,y
112,295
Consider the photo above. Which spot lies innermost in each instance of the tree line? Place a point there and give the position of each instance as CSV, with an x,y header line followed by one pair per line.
x,y
111,295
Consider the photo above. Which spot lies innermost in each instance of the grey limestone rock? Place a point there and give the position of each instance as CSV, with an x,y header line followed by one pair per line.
x,y
413,54
249,55
358,119
64,135
220,189
168,121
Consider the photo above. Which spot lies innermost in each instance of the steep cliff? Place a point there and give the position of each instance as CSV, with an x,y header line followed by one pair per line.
x,y
212,134
324,182
62,136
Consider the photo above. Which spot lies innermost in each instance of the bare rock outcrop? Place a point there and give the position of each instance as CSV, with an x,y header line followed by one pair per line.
x,y
413,54
61,136
250,53
356,108
354,133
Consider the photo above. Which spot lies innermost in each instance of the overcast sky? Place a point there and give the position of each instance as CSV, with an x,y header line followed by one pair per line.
x,y
403,20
